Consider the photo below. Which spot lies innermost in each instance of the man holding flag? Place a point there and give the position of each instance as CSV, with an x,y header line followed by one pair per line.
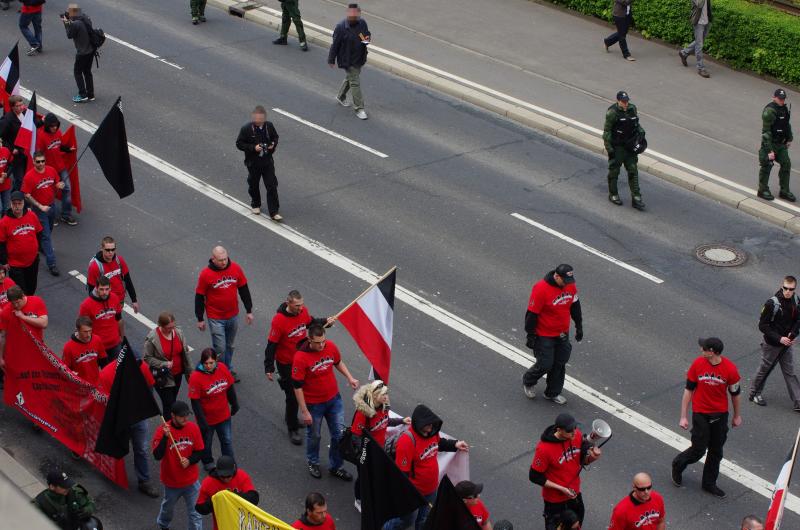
x,y
10,125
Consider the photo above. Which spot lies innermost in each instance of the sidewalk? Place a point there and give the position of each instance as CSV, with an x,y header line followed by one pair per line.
x,y
555,59
17,488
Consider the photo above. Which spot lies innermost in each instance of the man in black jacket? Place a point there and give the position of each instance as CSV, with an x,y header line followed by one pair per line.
x,y
259,139
9,127
780,318
349,49
78,26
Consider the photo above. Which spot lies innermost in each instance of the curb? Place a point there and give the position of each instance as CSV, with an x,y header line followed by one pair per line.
x,y
19,476
269,17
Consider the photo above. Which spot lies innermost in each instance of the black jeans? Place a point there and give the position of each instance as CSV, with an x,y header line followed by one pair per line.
x,y
709,431
622,24
19,166
83,75
553,510
552,355
26,277
169,395
285,382
263,168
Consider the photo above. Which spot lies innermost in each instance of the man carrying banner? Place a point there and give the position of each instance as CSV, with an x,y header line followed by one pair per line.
x,y
105,310
84,353
22,310
316,516
19,243
226,476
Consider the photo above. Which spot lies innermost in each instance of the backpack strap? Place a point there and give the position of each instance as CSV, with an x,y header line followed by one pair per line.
x,y
776,306
99,265
414,445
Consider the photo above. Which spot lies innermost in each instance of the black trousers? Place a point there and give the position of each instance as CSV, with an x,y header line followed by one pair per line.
x,y
26,277
553,511
19,165
83,75
263,169
622,24
709,431
552,355
285,382
169,395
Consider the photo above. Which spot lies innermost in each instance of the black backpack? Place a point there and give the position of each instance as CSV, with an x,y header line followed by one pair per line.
x,y
96,37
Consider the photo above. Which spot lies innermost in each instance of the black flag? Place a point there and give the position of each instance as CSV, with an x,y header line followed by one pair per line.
x,y
109,144
386,492
449,512
129,401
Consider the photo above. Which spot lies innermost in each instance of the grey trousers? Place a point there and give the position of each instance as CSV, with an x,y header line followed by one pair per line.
x,y
696,46
352,83
786,361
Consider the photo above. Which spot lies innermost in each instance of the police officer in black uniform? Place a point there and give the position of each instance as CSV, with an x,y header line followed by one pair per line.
x,y
259,139
623,137
776,137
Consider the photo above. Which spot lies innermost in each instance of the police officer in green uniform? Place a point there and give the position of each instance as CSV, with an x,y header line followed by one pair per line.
x,y
290,12
66,503
621,133
776,137
198,9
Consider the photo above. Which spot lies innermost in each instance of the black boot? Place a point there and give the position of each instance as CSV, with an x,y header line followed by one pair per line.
x,y
280,40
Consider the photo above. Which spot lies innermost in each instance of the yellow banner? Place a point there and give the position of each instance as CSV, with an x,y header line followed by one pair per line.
x,y
235,513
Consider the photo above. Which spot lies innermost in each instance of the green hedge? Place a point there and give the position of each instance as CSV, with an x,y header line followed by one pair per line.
x,y
749,36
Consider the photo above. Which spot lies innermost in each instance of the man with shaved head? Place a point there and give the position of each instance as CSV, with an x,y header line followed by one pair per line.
x,y
216,297
751,522
642,508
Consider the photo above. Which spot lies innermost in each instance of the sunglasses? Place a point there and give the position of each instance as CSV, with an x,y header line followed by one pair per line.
x,y
643,488
110,249
38,161
788,288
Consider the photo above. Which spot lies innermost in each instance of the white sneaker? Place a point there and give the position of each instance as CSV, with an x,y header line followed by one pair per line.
x,y
361,114
277,217
558,400
358,505
256,211
343,101
530,393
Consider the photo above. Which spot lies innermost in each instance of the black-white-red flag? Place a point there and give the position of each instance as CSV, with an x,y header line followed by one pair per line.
x,y
26,136
9,76
775,513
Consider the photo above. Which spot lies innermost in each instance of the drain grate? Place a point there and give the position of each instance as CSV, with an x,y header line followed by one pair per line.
x,y
720,255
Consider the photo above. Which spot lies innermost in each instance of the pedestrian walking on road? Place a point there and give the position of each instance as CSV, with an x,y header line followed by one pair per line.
x,y
290,12
709,379
701,19
751,522
779,323
19,243
553,301
107,262
39,186
623,19
49,141
776,137
351,37
226,477
215,295
31,13
259,139
166,353
557,464
84,353
198,8
316,516
623,137
78,27
642,508
105,310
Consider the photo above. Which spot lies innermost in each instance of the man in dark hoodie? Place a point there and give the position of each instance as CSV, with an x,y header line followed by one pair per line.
x,y
19,243
779,322
554,299
557,463
416,456
215,296
226,476
349,50
78,26
9,127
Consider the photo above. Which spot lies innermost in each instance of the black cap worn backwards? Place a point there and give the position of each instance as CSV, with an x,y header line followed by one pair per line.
x,y
565,271
180,408
566,422
623,96
780,93
712,344
226,466
466,489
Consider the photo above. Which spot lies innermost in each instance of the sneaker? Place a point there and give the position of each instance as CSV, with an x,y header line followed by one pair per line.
x,y
313,470
341,473
92,98
715,491
361,114
766,195
630,58
294,437
79,99
343,101
638,204
54,271
758,400
677,478
796,408
606,46
277,217
255,211
281,41
195,21
704,73
358,505
530,393
56,221
149,490
787,196
683,58
33,51
235,377
615,200
67,220
558,400
304,46
202,18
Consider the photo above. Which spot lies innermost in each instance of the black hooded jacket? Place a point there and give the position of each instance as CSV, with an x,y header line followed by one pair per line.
x,y
200,300
784,322
208,506
269,351
531,318
549,436
423,416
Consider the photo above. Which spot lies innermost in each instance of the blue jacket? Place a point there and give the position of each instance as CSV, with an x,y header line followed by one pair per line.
x,y
347,49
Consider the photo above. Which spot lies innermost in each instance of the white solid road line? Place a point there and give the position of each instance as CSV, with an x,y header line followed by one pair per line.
x,y
594,397
142,51
331,133
587,248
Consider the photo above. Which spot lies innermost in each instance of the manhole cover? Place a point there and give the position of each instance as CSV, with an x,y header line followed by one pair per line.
x,y
720,255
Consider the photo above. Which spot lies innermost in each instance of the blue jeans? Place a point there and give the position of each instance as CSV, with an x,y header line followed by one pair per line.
x,y
66,197
5,198
223,333
225,436
35,38
417,517
141,445
696,46
46,240
171,496
333,412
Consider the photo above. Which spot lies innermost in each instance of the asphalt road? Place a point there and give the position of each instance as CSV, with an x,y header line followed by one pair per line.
x,y
439,208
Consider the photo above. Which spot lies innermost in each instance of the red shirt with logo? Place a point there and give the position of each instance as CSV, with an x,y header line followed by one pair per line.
x,y
239,483
315,370
32,9
172,349
114,271
105,315
711,394
41,186
5,163
552,303
560,462
327,525
4,286
287,331
417,457
376,425
82,357
106,379
220,287
212,391
187,440
34,307
50,144
631,514
19,235
479,511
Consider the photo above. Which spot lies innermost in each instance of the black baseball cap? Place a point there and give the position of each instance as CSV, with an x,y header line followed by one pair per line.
x,y
711,344
226,466
565,271
623,96
566,422
780,93
17,196
60,479
180,408
466,489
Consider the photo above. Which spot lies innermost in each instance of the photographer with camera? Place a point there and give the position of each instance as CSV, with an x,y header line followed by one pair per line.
x,y
258,139
79,29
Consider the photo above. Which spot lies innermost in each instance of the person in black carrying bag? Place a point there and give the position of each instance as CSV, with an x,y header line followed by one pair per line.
x,y
166,353
79,29
259,139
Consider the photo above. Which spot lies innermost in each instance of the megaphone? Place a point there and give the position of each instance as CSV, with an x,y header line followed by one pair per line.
x,y
600,431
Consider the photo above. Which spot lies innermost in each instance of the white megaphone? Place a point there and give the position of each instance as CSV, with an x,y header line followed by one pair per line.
x,y
600,431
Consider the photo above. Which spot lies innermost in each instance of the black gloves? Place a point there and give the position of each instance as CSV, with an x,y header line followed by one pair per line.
x,y
531,340
578,333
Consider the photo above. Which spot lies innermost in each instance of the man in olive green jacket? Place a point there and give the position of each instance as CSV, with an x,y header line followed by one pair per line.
x,y
621,133
64,502
776,137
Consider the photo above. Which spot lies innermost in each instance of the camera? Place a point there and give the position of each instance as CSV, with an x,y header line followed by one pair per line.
x,y
264,148
64,15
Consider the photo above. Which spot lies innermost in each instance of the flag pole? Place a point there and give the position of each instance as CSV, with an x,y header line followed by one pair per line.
x,y
171,439
359,297
788,481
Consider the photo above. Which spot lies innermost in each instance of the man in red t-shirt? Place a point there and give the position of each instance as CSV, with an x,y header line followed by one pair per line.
x,y
318,397
105,310
31,13
39,186
226,476
178,444
215,296
554,299
22,310
84,353
5,284
49,141
316,516
556,467
710,379
642,508
19,243
107,262
470,493
287,330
